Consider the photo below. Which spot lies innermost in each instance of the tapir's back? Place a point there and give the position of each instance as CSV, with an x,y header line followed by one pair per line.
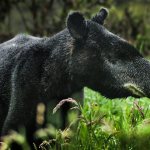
x,y
15,45
9,52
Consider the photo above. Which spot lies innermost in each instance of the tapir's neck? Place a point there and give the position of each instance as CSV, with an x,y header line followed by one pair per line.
x,y
57,65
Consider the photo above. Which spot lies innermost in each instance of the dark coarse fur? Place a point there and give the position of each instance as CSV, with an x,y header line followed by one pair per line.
x,y
34,70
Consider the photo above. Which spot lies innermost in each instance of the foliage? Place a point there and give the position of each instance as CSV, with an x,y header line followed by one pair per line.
x,y
129,19
102,124
106,124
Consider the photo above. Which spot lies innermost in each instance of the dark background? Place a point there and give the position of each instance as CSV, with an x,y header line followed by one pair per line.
x,y
129,19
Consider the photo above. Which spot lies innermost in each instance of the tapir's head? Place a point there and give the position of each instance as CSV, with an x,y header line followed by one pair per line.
x,y
105,62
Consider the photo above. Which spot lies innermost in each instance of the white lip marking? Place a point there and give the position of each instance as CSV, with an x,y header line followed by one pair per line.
x,y
134,89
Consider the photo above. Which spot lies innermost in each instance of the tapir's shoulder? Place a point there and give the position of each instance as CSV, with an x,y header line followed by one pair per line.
x,y
20,39
24,38
21,46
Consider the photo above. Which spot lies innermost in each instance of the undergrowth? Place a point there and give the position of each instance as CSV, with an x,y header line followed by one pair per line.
x,y
105,124
100,124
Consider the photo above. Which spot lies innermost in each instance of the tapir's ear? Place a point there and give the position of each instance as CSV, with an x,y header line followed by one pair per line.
x,y
77,25
100,16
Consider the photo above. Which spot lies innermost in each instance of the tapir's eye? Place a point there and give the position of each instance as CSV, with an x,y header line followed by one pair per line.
x,y
122,56
125,52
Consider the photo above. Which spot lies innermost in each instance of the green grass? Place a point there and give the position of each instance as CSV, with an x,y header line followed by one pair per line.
x,y
106,124
103,124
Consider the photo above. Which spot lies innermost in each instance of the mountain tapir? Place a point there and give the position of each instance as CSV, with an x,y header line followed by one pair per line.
x,y
85,53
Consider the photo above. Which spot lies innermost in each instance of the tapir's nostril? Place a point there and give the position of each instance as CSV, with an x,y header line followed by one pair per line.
x,y
134,89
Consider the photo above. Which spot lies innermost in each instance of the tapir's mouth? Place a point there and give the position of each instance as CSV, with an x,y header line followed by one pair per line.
x,y
134,89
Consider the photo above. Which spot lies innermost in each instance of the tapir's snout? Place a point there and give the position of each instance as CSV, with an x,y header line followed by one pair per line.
x,y
125,78
140,85
134,89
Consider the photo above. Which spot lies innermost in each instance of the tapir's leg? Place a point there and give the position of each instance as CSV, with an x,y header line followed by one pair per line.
x,y
24,98
3,113
21,114
21,111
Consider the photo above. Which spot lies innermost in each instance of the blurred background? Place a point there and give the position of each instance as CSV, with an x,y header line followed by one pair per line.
x,y
128,19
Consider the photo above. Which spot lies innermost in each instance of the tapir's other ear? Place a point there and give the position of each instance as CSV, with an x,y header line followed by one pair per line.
x,y
77,25
100,16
